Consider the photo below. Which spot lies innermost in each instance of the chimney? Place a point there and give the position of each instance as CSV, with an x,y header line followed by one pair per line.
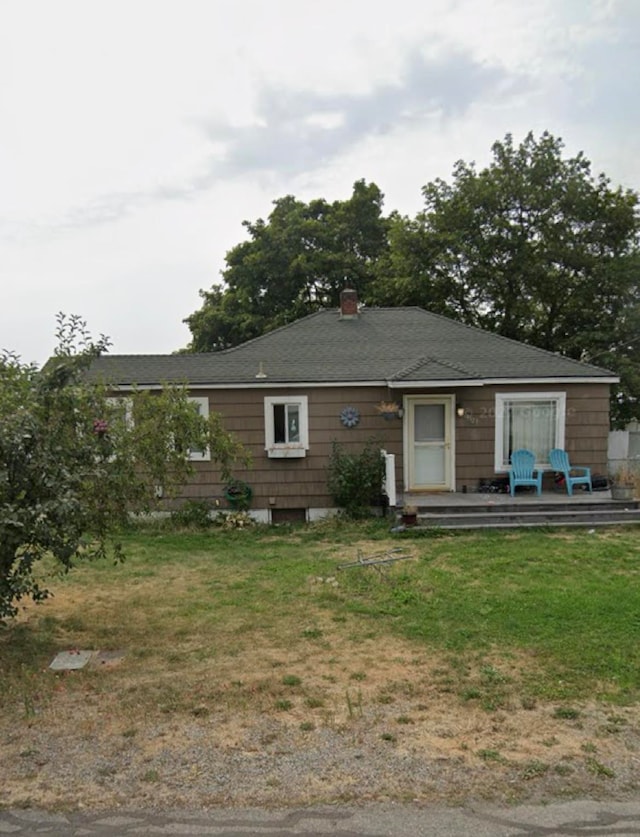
x,y
348,304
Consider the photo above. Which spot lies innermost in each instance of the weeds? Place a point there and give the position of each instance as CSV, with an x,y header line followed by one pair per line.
x,y
598,769
566,713
354,708
491,756
534,769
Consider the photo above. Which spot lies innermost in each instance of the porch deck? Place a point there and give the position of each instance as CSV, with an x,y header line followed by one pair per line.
x,y
480,498
455,510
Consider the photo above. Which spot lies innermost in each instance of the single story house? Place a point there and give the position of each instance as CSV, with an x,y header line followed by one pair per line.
x,y
447,402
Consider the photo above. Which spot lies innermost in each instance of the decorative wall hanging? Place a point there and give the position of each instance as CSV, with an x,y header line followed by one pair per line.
x,y
349,416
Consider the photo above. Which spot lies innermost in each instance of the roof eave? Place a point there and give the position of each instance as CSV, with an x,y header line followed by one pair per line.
x,y
391,384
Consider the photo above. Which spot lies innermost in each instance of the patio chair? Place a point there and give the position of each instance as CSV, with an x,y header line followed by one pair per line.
x,y
559,461
523,471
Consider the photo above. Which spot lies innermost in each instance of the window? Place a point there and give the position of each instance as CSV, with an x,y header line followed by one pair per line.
x,y
532,420
286,426
202,403
122,409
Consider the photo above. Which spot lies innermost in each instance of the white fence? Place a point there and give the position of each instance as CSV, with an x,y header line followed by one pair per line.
x,y
624,447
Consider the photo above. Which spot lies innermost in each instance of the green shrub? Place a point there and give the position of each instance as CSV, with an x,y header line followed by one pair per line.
x,y
355,479
193,514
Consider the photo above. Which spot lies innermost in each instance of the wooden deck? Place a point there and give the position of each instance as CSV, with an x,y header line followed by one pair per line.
x,y
451,510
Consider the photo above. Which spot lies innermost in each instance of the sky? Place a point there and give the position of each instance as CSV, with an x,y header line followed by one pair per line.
x,y
137,135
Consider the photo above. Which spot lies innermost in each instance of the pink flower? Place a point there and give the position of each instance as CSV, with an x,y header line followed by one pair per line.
x,y
100,426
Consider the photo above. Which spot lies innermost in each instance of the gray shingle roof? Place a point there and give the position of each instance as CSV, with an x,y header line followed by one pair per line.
x,y
398,345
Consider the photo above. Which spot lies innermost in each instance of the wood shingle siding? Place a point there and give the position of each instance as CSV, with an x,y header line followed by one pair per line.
x,y
389,354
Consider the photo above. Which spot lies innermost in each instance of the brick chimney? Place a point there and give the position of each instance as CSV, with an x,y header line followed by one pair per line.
x,y
348,304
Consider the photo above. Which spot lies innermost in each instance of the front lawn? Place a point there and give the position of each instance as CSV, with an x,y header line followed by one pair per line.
x,y
531,615
248,669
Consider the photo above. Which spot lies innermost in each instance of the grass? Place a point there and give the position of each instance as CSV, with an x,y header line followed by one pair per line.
x,y
534,615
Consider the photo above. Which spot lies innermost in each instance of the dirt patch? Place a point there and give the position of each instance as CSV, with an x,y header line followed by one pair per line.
x,y
339,717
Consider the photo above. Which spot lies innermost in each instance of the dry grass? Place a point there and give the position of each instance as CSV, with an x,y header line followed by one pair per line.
x,y
256,645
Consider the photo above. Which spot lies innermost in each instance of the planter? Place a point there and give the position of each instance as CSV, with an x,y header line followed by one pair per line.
x,y
388,410
238,494
622,492
409,516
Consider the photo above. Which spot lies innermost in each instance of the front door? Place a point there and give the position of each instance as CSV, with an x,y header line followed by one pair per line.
x,y
429,451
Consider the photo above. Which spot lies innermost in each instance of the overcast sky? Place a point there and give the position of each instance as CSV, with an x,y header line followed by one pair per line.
x,y
137,135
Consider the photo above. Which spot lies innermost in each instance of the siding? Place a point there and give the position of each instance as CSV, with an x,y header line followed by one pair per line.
x,y
302,483
586,428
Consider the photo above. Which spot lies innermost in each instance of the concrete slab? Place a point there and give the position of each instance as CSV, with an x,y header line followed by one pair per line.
x,y
70,660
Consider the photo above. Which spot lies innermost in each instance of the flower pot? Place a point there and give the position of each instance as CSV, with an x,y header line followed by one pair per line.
x,y
409,516
622,492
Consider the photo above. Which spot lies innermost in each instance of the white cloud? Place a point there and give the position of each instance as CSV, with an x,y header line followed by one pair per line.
x,y
136,136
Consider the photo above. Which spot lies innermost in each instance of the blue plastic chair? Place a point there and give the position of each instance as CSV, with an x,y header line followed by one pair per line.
x,y
559,461
523,471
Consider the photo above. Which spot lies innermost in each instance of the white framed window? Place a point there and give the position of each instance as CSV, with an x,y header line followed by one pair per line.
x,y
286,426
123,406
531,420
202,403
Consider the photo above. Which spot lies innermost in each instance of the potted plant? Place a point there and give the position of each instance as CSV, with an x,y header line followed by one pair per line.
x,y
238,494
388,409
623,483
409,515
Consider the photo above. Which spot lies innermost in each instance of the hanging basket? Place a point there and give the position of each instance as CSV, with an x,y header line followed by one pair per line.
x,y
388,410
238,494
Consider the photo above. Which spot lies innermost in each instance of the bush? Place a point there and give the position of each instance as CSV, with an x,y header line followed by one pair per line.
x,y
355,479
194,514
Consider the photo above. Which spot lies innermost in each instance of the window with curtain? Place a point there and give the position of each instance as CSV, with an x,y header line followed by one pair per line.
x,y
534,421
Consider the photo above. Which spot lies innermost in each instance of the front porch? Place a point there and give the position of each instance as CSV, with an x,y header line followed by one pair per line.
x,y
457,510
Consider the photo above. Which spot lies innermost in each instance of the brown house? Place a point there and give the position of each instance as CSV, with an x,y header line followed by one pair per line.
x,y
458,401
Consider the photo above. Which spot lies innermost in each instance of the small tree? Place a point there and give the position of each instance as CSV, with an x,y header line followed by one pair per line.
x,y
75,463
355,479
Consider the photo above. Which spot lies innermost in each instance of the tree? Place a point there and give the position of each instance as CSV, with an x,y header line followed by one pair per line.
x,y
532,247
75,463
293,264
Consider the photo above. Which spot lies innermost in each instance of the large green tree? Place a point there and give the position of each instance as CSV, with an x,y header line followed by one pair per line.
x,y
292,264
532,247
75,463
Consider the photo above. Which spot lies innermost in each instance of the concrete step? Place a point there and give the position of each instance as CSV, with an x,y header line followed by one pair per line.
x,y
515,507
504,516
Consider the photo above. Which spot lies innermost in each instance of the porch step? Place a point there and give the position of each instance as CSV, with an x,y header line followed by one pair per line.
x,y
508,516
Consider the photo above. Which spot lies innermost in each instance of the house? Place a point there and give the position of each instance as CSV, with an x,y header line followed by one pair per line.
x,y
461,400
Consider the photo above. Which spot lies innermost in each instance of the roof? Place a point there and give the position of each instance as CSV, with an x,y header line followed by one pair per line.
x,y
396,346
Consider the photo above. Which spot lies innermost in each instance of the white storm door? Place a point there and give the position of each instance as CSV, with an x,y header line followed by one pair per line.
x,y
429,453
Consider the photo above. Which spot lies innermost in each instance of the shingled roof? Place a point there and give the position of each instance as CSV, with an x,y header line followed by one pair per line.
x,y
403,347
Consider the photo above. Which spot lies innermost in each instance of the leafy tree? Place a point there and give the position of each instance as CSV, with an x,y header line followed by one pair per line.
x,y
75,463
532,247
293,264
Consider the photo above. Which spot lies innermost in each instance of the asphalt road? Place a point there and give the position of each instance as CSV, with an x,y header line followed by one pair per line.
x,y
381,820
